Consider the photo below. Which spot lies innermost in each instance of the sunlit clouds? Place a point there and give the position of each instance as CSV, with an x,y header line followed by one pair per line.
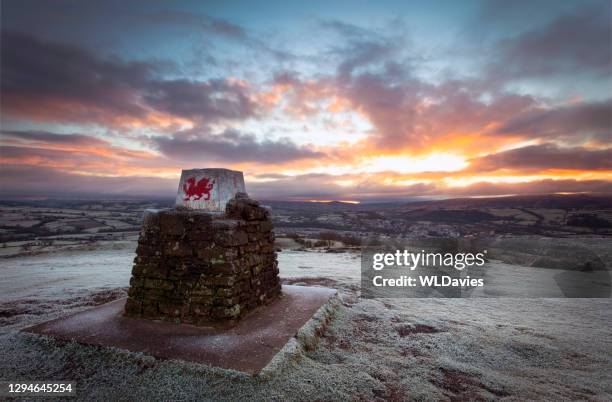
x,y
312,102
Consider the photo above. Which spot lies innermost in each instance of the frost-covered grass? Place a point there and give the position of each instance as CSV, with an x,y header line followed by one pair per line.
x,y
395,349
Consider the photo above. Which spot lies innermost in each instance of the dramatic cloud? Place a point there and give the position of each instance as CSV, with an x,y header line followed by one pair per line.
x,y
574,43
547,186
230,146
419,101
46,138
582,120
202,101
545,156
56,82
29,181
24,181
37,75
73,152
390,107
413,116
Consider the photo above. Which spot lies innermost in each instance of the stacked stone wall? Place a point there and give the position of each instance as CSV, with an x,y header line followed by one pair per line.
x,y
195,267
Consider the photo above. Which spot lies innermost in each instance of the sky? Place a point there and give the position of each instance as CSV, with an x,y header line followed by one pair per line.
x,y
318,100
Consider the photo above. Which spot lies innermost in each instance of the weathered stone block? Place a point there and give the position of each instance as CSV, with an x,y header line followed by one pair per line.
x,y
225,281
202,221
136,293
136,282
194,267
178,248
199,291
155,271
172,223
201,300
158,284
226,292
227,268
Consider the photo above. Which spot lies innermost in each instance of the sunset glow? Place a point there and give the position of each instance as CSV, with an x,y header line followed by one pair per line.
x,y
381,103
405,164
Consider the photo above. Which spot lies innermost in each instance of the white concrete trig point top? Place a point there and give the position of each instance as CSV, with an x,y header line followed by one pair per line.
x,y
208,189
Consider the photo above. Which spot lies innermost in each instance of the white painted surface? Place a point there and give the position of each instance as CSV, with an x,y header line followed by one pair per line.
x,y
208,189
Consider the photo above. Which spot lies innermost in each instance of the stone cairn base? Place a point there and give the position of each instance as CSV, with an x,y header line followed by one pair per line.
x,y
195,267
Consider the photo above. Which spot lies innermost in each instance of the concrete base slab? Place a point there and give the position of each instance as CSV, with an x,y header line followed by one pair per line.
x,y
248,346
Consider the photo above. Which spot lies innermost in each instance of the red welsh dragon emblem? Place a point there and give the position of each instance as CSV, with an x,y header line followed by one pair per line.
x,y
198,190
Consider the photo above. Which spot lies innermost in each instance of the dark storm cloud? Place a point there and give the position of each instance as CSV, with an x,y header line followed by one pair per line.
x,y
230,146
65,83
545,156
583,119
575,43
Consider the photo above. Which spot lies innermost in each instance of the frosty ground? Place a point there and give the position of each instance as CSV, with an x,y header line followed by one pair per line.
x,y
394,349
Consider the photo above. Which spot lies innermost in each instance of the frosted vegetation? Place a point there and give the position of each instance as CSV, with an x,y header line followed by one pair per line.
x,y
395,349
